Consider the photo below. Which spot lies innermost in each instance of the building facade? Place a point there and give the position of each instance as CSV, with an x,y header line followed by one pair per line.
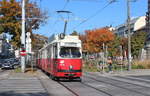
x,y
147,46
136,24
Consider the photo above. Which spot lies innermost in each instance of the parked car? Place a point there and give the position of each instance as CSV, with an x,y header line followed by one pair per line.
x,y
1,62
16,63
7,65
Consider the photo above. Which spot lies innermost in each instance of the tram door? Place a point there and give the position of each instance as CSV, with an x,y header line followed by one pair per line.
x,y
55,57
49,58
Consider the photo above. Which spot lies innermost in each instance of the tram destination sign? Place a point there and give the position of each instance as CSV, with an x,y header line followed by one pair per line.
x,y
70,44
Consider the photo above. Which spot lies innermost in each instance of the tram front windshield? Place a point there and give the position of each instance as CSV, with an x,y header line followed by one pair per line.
x,y
70,52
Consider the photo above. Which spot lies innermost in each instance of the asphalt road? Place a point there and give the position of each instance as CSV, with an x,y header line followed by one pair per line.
x,y
119,85
110,85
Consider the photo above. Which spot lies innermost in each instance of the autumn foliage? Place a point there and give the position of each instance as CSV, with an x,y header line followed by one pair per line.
x,y
94,39
10,18
10,12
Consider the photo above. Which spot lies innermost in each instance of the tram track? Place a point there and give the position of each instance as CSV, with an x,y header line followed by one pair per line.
x,y
103,91
97,89
80,88
84,84
134,78
107,93
69,89
129,89
65,85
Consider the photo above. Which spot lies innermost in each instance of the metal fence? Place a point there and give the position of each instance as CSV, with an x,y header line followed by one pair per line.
x,y
98,62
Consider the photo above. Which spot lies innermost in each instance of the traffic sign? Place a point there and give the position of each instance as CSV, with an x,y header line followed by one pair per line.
x,y
23,53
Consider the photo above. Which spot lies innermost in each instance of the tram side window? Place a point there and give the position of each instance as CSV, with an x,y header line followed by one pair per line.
x,y
42,54
49,51
70,52
38,56
55,50
45,53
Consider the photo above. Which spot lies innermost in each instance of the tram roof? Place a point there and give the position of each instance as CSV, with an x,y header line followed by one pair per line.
x,y
67,38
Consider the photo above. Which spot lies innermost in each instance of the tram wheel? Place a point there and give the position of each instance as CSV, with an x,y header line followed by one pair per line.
x,y
70,79
80,79
52,77
57,78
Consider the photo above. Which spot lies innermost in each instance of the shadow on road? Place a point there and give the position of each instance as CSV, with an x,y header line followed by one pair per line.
x,y
12,93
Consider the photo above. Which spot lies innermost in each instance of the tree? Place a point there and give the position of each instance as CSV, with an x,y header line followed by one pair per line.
x,y
82,37
10,18
94,39
10,11
74,33
40,41
137,42
114,46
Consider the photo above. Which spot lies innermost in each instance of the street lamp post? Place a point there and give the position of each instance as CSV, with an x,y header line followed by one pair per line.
x,y
129,33
23,36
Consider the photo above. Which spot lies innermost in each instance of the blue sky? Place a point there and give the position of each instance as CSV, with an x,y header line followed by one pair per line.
x,y
114,14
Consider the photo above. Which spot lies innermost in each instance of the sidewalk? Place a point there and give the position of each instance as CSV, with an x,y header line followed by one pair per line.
x,y
28,84
134,72
125,72
20,84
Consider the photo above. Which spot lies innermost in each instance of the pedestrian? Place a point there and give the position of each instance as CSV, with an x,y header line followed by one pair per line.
x,y
109,62
100,64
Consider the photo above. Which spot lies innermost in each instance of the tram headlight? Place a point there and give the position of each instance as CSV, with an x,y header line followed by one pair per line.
x,y
70,67
61,61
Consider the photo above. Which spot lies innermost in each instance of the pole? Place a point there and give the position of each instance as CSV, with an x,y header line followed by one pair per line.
x,y
23,36
106,52
65,27
129,33
66,21
103,58
106,55
121,55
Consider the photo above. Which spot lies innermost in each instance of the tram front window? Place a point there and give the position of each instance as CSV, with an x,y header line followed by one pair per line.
x,y
70,52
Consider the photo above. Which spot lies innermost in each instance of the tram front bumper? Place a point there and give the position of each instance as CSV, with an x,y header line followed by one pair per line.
x,y
69,73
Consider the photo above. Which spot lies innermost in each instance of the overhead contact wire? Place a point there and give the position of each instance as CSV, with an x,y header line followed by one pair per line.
x,y
97,12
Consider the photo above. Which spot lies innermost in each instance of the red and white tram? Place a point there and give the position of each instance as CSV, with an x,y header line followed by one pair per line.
x,y
61,57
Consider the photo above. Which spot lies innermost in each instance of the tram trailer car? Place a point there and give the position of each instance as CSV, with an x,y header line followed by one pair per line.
x,y
61,57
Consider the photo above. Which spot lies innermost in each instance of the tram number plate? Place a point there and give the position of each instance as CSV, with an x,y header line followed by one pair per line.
x,y
71,74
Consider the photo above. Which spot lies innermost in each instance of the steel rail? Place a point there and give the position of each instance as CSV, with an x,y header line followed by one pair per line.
x,y
69,89
131,90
